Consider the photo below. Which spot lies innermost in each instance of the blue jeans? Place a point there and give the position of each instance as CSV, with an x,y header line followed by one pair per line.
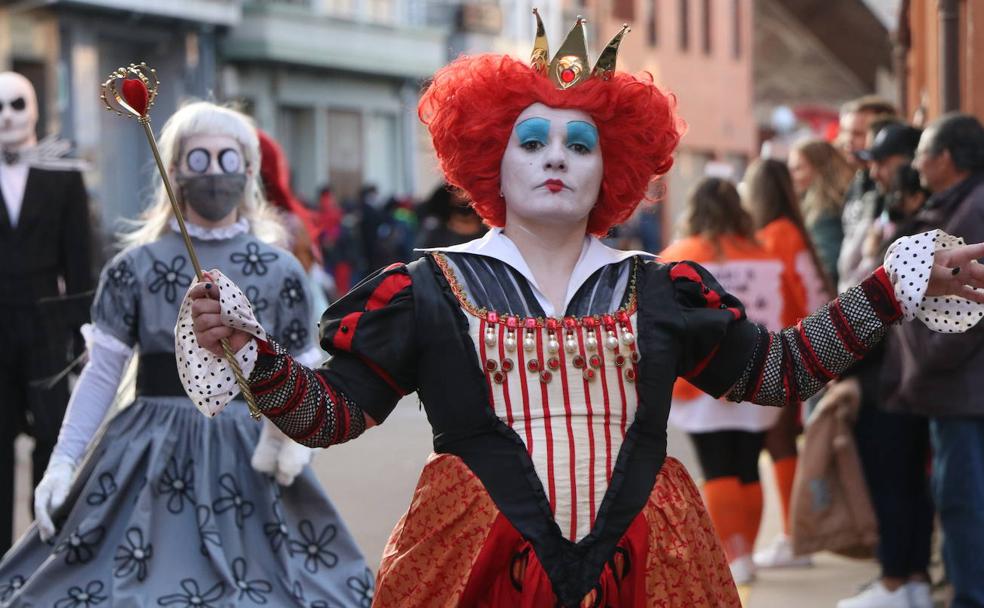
x,y
958,488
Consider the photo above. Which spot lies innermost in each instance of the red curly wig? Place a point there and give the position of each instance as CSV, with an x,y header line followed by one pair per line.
x,y
471,105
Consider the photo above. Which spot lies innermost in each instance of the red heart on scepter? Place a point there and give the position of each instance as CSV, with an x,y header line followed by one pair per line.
x,y
135,94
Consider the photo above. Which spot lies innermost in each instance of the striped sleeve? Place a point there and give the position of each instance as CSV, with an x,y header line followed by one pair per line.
x,y
789,366
725,354
370,336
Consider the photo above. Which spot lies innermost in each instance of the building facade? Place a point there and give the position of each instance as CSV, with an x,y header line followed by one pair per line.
x,y
924,62
68,49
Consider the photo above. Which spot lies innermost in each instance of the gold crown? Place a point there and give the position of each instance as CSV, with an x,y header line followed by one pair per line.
x,y
569,66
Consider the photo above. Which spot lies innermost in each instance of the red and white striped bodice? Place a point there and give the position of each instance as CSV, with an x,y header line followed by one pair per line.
x,y
567,387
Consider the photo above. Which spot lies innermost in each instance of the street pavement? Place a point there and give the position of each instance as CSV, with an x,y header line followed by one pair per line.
x,y
371,481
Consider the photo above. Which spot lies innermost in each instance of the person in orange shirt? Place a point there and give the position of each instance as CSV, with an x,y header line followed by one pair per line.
x,y
771,200
728,437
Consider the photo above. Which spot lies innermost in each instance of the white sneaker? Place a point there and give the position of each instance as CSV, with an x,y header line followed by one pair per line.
x,y
780,555
743,570
920,594
877,596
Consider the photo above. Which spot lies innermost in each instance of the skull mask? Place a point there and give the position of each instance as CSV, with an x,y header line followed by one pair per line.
x,y
18,111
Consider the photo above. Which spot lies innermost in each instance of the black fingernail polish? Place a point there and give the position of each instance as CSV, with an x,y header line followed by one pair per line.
x,y
956,271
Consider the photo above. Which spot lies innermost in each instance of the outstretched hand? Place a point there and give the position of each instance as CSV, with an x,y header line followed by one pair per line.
x,y
206,314
956,272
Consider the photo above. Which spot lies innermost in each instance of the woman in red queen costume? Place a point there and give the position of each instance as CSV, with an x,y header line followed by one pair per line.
x,y
545,360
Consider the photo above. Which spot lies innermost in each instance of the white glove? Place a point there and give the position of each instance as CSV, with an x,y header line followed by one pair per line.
x,y
278,455
292,460
51,493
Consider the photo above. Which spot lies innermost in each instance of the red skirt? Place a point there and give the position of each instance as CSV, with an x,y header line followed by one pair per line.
x,y
454,548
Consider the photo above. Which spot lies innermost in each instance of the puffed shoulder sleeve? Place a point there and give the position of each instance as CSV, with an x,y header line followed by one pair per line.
x,y
717,340
370,334
116,303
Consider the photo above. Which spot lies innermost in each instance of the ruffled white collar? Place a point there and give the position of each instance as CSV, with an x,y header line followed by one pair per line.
x,y
594,255
213,234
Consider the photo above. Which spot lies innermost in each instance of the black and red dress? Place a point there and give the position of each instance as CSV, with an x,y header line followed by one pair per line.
x,y
549,483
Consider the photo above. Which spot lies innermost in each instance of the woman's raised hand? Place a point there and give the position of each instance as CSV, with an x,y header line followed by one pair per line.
x,y
956,272
207,320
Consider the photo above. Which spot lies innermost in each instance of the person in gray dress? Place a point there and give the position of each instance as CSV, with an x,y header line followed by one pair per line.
x,y
160,506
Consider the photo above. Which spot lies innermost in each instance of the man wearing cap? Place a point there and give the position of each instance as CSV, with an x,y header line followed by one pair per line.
x,y
893,147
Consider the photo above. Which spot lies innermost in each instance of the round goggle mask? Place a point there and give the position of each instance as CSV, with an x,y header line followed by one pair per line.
x,y
199,160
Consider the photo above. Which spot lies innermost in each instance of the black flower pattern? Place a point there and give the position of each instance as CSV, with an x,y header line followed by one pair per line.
x,y
292,292
79,547
256,590
179,483
107,485
133,555
232,498
362,588
193,596
314,547
276,530
258,303
297,592
253,260
295,335
169,278
204,516
83,598
121,274
8,589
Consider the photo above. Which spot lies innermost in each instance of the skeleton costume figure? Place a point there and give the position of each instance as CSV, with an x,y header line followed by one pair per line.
x,y
44,244
544,359
169,508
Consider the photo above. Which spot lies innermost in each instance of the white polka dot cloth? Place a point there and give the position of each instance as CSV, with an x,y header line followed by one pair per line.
x,y
208,379
908,263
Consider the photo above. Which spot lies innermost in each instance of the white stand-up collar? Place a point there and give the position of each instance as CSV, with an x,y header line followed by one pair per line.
x,y
212,234
594,255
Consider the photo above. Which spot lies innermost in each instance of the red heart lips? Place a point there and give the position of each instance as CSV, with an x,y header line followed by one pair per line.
x,y
554,185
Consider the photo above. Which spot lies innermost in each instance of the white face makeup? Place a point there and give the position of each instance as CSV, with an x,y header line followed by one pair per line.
x,y
552,167
18,110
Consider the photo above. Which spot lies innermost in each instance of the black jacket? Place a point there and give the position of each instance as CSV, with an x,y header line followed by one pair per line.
x,y
49,243
930,373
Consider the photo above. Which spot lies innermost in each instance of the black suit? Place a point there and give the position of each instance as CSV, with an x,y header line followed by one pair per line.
x,y
45,256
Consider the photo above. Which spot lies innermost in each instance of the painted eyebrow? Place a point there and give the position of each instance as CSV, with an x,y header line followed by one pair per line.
x,y
533,129
584,133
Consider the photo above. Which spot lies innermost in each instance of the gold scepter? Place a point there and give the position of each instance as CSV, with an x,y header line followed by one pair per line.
x,y
131,91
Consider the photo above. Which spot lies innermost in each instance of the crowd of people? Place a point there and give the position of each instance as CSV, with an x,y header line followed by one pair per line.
x,y
807,229
545,359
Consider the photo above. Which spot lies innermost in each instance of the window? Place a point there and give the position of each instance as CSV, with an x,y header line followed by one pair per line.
x,y
684,24
706,27
652,25
624,10
736,26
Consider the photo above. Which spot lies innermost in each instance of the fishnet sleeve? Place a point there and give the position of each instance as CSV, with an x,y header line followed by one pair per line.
x,y
301,402
787,367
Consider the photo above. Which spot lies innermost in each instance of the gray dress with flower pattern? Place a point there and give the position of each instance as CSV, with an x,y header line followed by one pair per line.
x,y
166,509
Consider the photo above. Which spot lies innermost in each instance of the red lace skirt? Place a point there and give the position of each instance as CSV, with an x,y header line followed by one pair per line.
x,y
454,548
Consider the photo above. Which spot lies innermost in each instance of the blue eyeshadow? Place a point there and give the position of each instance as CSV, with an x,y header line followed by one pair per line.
x,y
584,133
533,129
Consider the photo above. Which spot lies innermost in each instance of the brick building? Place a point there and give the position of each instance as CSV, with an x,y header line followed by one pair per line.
x,y
922,60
